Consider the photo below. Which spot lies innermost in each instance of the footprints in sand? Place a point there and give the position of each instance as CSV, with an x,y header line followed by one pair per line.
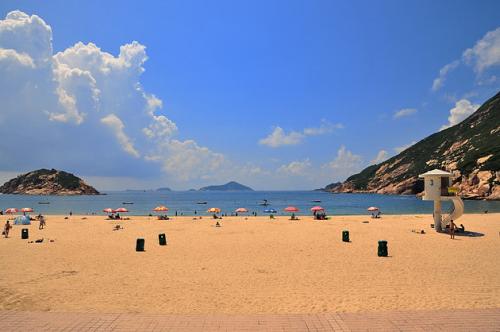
x,y
53,276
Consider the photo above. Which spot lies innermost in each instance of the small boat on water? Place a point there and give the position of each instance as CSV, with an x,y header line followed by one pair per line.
x,y
201,202
43,202
127,203
316,201
264,202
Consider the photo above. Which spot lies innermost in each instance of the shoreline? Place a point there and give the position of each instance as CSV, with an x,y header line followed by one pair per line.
x,y
207,216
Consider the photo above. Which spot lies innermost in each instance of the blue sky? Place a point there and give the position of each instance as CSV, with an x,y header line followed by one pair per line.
x,y
273,94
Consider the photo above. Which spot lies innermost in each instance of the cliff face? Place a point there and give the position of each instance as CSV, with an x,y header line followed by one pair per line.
x,y
470,150
47,182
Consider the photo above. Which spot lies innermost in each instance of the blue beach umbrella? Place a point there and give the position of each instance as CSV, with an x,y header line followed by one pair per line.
x,y
270,211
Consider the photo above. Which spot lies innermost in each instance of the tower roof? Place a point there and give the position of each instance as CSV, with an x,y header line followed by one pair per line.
x,y
435,172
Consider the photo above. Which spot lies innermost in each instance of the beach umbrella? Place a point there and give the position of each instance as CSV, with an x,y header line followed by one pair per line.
x,y
26,210
213,210
270,211
122,209
241,210
160,208
11,210
373,208
108,210
291,209
317,208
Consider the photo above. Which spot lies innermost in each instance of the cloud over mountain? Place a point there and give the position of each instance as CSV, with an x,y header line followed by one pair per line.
x,y
83,89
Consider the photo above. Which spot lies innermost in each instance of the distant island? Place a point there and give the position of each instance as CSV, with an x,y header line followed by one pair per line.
x,y
230,186
164,189
470,150
47,182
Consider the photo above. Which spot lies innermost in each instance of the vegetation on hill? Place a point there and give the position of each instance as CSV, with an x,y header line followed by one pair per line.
x,y
230,186
470,150
47,182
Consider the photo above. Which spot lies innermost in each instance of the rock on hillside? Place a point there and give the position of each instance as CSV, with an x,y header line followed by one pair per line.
x,y
47,182
470,150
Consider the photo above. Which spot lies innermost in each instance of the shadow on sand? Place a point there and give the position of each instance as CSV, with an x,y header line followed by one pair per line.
x,y
469,234
465,233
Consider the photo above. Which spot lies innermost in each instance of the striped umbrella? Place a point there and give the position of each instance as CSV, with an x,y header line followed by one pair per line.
x,y
11,210
213,210
122,209
160,208
373,208
108,210
317,208
241,210
26,210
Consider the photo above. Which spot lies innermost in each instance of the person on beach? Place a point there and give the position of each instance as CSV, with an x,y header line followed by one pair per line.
x,y
452,229
42,221
7,228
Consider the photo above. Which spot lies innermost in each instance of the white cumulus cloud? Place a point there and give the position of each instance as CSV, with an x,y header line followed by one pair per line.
x,y
404,112
118,128
482,56
443,72
296,167
278,137
324,128
463,108
80,103
186,160
382,155
485,53
345,164
400,149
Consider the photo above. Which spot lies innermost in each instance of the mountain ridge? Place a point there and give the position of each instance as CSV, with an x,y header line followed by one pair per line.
x,y
469,150
230,186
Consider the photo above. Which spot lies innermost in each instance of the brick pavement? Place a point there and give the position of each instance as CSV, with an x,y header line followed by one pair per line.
x,y
440,320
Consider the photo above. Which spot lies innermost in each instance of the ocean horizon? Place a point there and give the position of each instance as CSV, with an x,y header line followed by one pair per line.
x,y
187,202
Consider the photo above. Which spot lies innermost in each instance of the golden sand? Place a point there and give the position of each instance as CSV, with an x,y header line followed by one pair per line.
x,y
250,266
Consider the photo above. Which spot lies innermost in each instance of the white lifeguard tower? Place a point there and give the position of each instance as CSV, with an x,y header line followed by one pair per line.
x,y
437,188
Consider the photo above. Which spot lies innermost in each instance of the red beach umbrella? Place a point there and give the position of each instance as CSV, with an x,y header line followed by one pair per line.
x,y
160,208
11,210
108,210
122,209
317,208
291,209
373,208
241,210
26,210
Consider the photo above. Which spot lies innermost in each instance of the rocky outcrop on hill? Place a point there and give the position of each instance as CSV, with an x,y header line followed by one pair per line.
x,y
47,182
470,150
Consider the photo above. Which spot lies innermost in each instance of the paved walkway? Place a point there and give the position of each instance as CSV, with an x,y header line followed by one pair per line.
x,y
456,320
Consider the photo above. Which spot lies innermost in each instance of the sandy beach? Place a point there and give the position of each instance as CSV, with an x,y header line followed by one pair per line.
x,y
249,266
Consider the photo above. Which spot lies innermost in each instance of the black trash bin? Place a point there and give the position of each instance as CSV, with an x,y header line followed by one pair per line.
x,y
162,239
345,236
140,245
24,233
382,249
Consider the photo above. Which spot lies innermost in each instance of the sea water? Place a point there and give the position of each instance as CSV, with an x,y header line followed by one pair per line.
x,y
186,202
